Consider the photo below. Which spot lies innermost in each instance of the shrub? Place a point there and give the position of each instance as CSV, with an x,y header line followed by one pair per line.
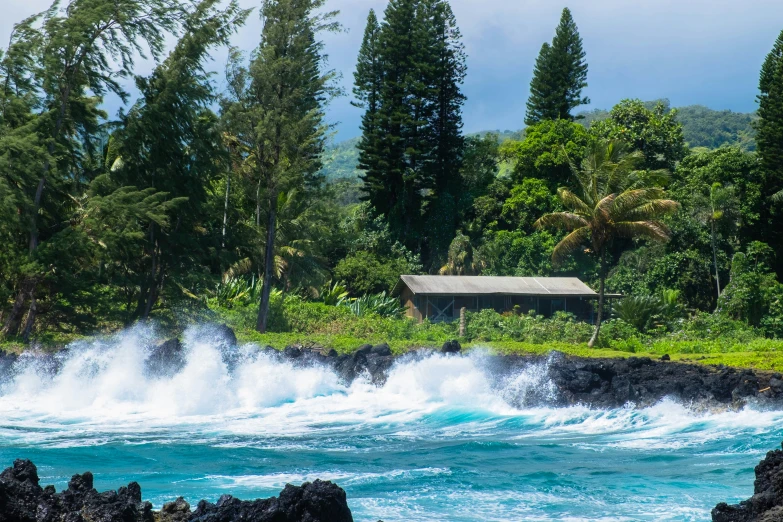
x,y
640,311
366,273
380,304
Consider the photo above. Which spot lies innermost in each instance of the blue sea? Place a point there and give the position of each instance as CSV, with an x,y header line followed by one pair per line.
x,y
443,439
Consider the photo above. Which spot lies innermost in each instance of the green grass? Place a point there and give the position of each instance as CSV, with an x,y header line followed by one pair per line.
x,y
761,355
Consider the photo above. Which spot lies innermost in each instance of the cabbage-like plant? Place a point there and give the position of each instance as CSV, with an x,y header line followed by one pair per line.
x,y
379,304
640,311
333,293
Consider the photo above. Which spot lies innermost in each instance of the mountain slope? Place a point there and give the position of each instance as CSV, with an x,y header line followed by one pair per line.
x,y
702,127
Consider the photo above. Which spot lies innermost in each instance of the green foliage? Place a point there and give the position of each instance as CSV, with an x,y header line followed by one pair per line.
x,y
546,151
381,304
488,325
655,132
559,76
366,273
333,293
640,311
704,127
753,287
527,202
340,161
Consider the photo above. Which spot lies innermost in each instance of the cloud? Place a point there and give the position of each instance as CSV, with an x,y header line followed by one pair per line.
x,y
694,51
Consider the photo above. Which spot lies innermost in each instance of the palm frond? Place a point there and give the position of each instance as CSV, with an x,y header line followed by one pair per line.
x,y
654,230
561,220
240,268
573,201
651,210
777,197
631,199
569,244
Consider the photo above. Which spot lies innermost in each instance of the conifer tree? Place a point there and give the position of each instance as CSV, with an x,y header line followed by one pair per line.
x,y
411,147
448,68
769,135
395,189
277,118
559,76
368,83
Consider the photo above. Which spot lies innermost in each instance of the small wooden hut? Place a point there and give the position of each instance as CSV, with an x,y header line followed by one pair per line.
x,y
440,298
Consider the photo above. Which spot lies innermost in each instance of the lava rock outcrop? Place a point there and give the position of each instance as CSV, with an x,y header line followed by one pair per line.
x,y
766,504
22,499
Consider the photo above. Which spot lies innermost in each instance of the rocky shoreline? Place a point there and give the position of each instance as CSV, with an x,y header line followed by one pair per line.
x,y
766,504
570,380
563,380
22,499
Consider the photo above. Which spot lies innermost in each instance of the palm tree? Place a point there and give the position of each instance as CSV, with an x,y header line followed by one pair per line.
x,y
616,201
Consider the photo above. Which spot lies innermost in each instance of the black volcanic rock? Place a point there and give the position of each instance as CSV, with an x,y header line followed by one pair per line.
x,y
318,501
766,504
23,500
601,383
19,492
165,359
451,347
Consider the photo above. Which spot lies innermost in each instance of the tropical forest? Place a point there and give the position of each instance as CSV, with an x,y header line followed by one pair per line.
x,y
210,285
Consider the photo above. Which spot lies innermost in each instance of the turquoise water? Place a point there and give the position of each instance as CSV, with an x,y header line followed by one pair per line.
x,y
440,441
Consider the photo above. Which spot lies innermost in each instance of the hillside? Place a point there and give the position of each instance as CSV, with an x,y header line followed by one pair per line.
x,y
702,127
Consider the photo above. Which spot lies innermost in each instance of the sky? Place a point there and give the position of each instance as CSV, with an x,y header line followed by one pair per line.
x,y
705,52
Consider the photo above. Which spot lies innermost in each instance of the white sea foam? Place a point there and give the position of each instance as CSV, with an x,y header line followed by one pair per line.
x,y
102,392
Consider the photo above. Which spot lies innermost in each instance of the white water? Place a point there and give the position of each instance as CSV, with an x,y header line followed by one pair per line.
x,y
438,423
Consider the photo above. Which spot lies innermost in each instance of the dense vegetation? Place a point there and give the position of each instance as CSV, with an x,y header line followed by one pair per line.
x,y
701,127
245,214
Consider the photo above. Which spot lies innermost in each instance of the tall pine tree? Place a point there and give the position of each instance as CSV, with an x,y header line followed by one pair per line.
x,y
368,83
411,143
277,116
448,71
769,135
559,76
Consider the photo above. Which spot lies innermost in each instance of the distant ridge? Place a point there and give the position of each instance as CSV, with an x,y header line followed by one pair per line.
x,y
702,126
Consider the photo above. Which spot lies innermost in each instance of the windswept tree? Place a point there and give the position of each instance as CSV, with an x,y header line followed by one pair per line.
x,y
277,114
169,143
559,76
615,200
66,59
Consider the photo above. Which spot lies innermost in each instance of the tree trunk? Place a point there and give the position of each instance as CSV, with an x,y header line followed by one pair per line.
x,y
601,285
715,258
269,259
11,326
152,295
31,314
225,209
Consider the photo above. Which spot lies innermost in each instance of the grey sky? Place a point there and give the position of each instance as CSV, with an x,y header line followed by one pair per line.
x,y
690,51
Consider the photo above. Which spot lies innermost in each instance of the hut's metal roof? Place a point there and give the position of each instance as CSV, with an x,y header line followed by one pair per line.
x,y
494,285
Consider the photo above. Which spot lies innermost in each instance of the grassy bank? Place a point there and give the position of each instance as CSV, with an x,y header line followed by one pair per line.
x,y
703,339
764,356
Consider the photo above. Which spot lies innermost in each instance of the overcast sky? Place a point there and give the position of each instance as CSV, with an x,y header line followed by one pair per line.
x,y
691,51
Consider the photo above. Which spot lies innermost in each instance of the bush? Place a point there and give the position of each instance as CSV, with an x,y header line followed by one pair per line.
x,y
640,311
366,273
381,305
488,325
